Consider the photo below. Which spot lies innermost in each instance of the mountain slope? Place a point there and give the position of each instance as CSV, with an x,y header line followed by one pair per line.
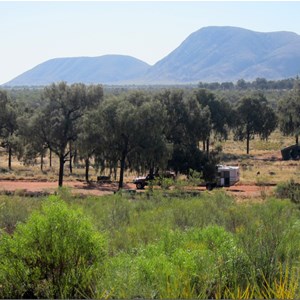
x,y
105,69
209,54
229,53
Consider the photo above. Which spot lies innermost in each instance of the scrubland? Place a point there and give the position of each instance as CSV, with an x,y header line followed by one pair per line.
x,y
168,242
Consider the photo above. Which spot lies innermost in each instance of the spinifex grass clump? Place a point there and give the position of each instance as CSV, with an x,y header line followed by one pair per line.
x,y
286,286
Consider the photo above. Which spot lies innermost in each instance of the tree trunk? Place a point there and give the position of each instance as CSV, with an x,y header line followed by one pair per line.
x,y
115,173
75,156
42,161
50,158
9,156
70,165
151,171
87,166
297,139
207,146
203,145
70,161
248,143
122,168
61,170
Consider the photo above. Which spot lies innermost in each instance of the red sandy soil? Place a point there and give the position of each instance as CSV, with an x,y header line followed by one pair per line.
x,y
77,187
99,189
250,191
242,191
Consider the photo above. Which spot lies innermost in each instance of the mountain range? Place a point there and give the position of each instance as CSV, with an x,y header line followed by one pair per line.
x,y
215,53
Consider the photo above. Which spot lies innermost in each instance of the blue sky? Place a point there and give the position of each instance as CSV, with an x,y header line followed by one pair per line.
x,y
33,32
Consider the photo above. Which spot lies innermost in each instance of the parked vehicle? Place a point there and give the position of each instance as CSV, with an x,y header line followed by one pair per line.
x,y
226,176
291,152
143,181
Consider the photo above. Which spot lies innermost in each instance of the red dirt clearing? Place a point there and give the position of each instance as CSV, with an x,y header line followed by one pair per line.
x,y
77,187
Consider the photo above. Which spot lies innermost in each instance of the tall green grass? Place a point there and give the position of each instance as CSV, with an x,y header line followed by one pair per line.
x,y
167,244
16,209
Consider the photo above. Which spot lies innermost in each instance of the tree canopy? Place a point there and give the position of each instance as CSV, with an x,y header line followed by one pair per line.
x,y
59,120
140,129
254,117
289,112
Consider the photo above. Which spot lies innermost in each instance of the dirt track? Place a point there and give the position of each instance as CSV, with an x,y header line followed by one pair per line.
x,y
77,187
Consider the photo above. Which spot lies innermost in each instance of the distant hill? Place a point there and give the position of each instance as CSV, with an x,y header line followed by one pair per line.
x,y
209,54
229,54
106,69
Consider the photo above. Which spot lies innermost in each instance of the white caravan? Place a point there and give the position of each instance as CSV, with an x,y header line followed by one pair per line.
x,y
226,176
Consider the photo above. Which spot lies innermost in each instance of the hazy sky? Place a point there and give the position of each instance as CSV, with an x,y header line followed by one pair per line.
x,y
33,32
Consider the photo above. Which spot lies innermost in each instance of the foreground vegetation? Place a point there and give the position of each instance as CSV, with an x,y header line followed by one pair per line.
x,y
158,244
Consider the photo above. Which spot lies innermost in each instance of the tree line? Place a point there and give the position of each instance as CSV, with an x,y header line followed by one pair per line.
x,y
137,130
257,84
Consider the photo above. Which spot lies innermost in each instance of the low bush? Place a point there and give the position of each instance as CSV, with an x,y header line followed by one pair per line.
x,y
289,190
55,254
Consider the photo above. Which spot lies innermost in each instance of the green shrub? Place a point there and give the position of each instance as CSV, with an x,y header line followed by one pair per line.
x,y
166,183
195,178
289,190
55,254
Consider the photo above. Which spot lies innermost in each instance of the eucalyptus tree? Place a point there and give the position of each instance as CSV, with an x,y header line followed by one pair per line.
x,y
3,103
289,112
152,148
221,116
254,117
8,126
89,142
133,130
119,124
61,117
241,84
186,124
32,137
3,111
